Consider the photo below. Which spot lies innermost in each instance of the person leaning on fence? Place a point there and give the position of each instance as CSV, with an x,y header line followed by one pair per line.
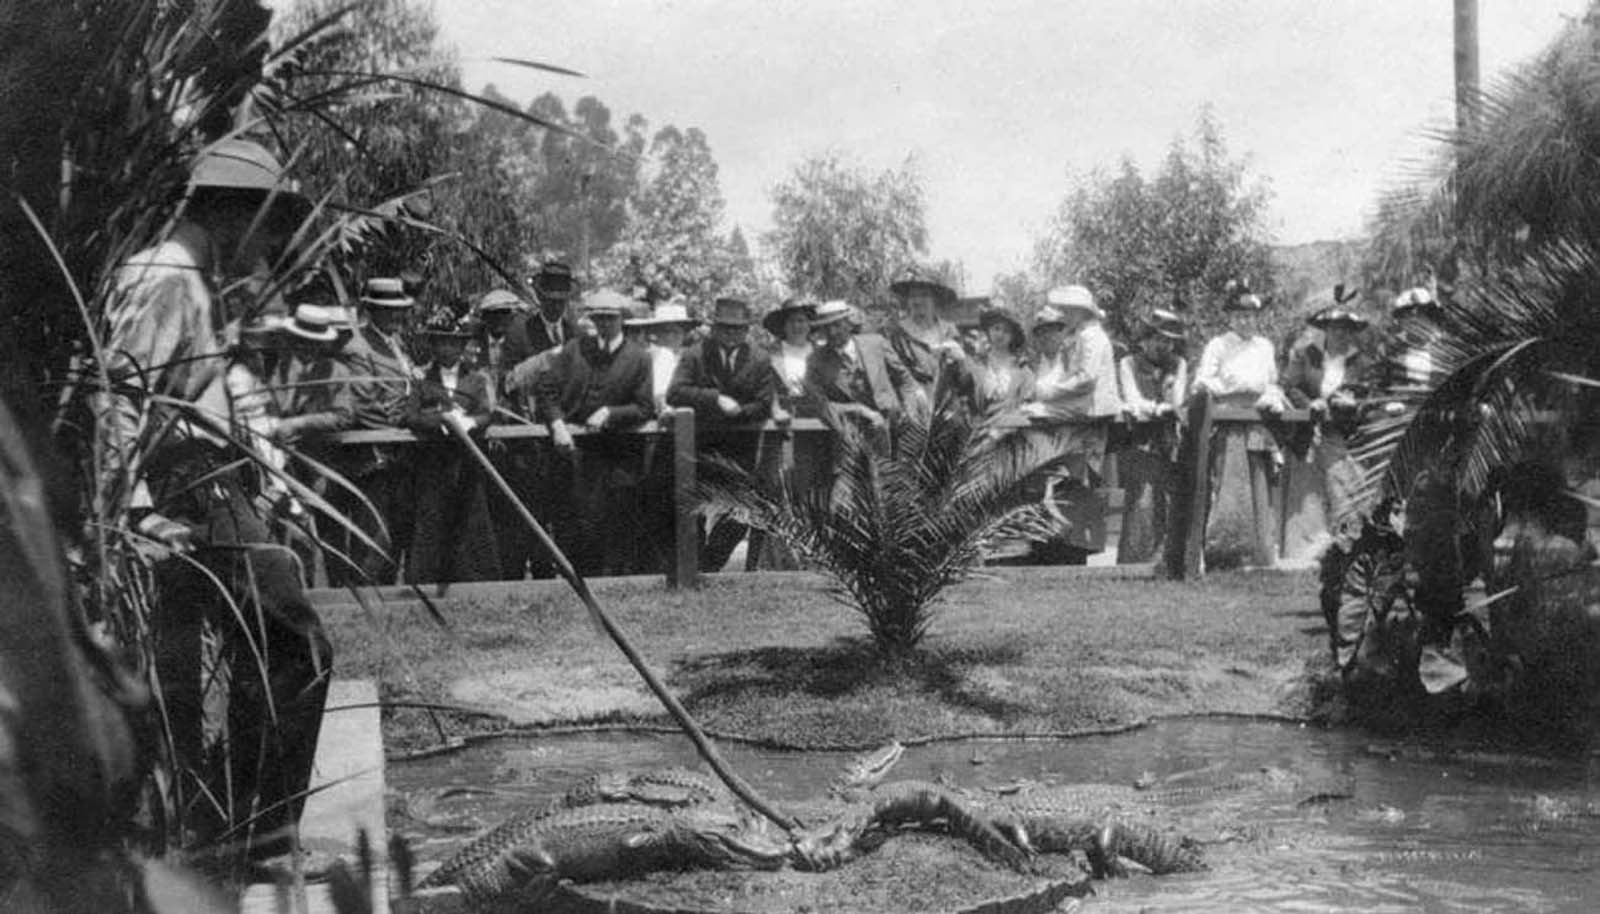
x,y
1000,380
727,382
858,376
1154,380
455,535
551,324
601,383
928,345
166,432
1239,368
382,376
662,332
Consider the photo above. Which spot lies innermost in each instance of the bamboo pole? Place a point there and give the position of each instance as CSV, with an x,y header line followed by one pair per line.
x,y
579,586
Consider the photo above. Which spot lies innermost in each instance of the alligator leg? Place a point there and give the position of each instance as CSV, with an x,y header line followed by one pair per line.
x,y
918,803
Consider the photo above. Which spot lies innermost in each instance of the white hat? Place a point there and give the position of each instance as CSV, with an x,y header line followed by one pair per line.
x,y
1074,297
831,312
1418,297
606,302
666,314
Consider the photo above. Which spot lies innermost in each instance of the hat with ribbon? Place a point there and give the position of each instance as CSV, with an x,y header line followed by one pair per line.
x,y
316,323
1079,297
832,312
500,300
607,303
386,292
775,319
730,312
444,323
1337,316
666,314
1417,299
1238,297
1169,324
989,317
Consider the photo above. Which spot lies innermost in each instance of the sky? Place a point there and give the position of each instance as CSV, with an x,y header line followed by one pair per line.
x,y
1005,104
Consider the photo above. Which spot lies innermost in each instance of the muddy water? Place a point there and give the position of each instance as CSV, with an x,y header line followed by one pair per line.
x,y
1330,820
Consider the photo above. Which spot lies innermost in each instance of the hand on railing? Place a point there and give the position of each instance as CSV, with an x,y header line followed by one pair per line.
x,y
728,405
597,419
561,436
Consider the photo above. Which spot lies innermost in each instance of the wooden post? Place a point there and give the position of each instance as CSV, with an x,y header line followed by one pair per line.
x,y
685,568
1266,524
1196,501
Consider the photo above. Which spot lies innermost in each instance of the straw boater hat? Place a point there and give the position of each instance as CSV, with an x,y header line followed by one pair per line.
x,y
1414,300
386,292
606,303
777,317
915,278
316,323
1069,297
832,312
730,312
239,166
1337,316
500,300
667,314
1169,324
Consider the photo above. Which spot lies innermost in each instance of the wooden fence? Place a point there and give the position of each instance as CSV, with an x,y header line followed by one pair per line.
x,y
1186,530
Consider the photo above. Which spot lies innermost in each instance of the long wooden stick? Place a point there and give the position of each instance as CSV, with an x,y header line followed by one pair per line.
x,y
581,587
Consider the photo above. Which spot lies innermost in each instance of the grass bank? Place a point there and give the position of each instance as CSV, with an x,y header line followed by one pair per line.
x,y
774,657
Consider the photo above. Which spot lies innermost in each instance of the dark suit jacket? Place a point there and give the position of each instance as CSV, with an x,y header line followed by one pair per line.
x,y
887,380
585,377
429,400
702,376
526,336
380,381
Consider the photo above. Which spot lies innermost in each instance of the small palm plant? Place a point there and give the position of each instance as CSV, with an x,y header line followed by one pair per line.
x,y
901,521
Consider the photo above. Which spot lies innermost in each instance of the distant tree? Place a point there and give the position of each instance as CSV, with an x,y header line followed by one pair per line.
x,y
844,232
1170,241
671,243
368,147
581,199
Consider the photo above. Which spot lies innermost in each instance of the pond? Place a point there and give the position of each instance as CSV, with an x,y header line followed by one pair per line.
x,y
1333,820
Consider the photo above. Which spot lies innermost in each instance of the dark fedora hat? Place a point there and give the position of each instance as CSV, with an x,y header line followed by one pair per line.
x,y
1337,316
774,320
731,312
554,279
1238,297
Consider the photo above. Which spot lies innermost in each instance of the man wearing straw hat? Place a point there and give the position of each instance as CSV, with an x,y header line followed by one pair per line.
x,y
189,489
600,383
726,382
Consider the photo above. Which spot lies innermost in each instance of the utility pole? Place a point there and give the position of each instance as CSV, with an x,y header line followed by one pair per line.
x,y
1466,64
584,178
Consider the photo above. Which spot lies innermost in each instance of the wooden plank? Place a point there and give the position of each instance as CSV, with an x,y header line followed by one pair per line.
x,y
1267,527
347,778
1197,500
685,568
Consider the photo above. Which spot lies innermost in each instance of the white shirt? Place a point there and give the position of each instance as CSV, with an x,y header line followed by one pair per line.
x,y
791,363
1232,365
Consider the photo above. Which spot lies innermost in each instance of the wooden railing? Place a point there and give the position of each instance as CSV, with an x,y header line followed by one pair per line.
x,y
1185,536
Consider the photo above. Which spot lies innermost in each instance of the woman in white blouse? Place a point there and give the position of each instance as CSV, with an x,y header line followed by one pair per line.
x,y
1239,368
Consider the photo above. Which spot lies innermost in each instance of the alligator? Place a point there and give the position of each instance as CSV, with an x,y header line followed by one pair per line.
x,y
630,823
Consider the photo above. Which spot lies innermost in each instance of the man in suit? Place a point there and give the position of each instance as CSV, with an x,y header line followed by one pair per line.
x,y
551,324
601,383
725,381
857,374
383,376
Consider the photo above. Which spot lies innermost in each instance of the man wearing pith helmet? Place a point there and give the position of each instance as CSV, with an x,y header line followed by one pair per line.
x,y
167,336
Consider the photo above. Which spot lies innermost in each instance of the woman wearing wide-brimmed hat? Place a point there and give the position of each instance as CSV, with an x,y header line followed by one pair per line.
x,y
790,326
1001,379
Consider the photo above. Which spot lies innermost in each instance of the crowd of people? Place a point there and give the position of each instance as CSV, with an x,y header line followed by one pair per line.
x,y
194,383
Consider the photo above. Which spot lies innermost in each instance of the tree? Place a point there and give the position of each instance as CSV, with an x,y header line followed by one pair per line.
x,y
589,174
903,521
844,232
671,244
1173,241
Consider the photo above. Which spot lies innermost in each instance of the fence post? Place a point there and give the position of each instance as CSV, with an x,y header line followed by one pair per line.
x,y
685,568
1186,542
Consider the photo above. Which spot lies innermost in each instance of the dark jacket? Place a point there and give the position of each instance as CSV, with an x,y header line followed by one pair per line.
x,y
879,381
429,400
585,377
703,375
382,379
526,337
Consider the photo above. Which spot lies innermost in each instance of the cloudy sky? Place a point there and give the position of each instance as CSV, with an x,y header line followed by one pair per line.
x,y
1003,102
